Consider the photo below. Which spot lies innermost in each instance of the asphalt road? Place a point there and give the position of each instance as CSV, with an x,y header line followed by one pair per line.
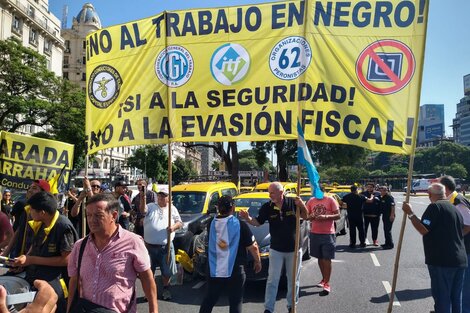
x,y
361,279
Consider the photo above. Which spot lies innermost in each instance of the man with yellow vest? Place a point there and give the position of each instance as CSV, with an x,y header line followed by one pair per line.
x,y
52,242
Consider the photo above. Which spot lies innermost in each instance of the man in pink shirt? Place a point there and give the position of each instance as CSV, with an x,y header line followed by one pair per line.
x,y
112,259
322,213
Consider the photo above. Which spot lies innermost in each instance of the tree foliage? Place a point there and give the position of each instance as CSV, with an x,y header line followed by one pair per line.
x,y
30,94
183,170
152,160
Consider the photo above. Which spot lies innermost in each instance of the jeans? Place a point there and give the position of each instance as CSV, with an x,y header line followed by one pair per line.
x,y
466,289
446,288
233,286
276,262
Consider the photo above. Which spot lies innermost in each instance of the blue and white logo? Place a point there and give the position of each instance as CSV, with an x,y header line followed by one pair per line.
x,y
230,64
290,57
394,62
174,66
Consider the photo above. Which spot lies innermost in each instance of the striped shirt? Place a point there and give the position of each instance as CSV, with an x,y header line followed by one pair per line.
x,y
108,277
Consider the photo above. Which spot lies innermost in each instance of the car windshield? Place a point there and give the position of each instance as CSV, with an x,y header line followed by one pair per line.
x,y
253,204
189,201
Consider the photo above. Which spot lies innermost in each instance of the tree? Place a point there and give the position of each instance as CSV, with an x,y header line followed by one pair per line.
x,y
152,160
182,170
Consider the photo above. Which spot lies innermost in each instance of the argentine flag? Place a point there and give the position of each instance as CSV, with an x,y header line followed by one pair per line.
x,y
224,237
304,158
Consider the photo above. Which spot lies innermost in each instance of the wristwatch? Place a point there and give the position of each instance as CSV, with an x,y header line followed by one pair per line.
x,y
410,216
87,189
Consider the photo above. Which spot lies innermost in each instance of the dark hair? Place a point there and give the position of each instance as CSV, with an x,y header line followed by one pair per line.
x,y
43,201
225,204
353,188
113,203
449,182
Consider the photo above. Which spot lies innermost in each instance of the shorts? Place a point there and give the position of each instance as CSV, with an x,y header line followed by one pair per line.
x,y
158,259
323,246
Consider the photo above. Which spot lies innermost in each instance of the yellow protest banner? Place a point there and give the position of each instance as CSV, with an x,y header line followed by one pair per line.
x,y
25,158
349,70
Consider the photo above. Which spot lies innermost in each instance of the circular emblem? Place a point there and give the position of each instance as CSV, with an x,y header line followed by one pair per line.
x,y
230,64
385,67
174,66
290,57
104,86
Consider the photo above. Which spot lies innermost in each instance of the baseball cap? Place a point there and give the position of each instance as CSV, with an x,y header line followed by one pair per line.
x,y
120,183
43,184
163,189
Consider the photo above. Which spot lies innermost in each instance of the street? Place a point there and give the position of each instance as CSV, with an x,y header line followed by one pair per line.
x,y
361,279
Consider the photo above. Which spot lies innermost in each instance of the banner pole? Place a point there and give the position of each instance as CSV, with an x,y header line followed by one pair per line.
x,y
297,243
410,172
169,203
83,204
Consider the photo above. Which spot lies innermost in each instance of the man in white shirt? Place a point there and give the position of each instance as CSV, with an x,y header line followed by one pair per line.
x,y
156,231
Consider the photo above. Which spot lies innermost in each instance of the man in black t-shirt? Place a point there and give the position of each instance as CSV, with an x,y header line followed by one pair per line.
x,y
280,213
229,241
444,250
354,202
371,212
387,209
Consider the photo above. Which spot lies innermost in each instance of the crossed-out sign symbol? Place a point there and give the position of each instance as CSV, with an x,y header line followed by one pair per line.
x,y
396,74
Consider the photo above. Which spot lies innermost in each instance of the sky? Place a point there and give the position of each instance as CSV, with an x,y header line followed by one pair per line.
x,y
447,57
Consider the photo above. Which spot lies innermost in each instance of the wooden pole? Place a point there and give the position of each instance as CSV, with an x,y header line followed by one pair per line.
x,y
297,243
168,242
83,204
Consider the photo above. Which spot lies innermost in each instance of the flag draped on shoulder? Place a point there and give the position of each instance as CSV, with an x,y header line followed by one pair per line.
x,y
224,237
304,158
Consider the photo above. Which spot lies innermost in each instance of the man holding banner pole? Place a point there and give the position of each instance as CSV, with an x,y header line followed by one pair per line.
x,y
280,212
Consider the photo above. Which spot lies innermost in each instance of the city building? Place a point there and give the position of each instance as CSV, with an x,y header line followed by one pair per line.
x,y
31,22
430,124
461,122
74,64
38,29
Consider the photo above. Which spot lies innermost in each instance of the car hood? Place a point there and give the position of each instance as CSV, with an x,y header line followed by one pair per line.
x,y
261,233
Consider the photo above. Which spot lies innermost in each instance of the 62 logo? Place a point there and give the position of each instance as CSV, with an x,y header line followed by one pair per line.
x,y
290,57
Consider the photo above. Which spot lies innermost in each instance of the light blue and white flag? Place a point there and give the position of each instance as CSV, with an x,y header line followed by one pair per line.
x,y
304,158
224,237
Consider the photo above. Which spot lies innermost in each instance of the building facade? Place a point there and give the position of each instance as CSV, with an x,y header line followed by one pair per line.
x,y
431,126
461,122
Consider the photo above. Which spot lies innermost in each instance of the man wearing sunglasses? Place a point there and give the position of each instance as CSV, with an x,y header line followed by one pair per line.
x,y
90,188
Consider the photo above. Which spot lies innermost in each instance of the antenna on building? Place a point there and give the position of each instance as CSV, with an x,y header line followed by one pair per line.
x,y
65,11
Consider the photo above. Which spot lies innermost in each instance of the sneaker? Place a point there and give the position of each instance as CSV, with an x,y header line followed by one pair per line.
x,y
352,246
166,295
326,289
363,245
321,284
376,243
267,311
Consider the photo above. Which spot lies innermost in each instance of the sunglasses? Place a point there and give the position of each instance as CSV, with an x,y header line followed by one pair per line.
x,y
96,186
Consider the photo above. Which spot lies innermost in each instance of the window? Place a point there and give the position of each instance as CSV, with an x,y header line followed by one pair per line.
x,y
83,76
31,11
84,44
47,46
84,60
66,75
17,25
33,37
67,46
66,61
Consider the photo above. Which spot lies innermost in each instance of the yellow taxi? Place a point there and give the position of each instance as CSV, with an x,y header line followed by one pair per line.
x,y
288,187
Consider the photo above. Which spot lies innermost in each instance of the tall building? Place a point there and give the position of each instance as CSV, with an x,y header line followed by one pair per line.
x,y
430,124
31,22
74,65
461,122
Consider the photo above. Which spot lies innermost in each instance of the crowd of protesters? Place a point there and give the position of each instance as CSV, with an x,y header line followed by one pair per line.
x,y
127,239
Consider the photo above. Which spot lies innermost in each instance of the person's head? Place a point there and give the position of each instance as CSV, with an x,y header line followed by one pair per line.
x,y
141,183
6,195
95,186
120,187
101,213
436,191
38,186
42,203
162,196
383,190
370,187
276,192
449,184
225,205
354,188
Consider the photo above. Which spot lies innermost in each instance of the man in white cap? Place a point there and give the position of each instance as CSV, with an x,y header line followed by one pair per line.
x,y
156,231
